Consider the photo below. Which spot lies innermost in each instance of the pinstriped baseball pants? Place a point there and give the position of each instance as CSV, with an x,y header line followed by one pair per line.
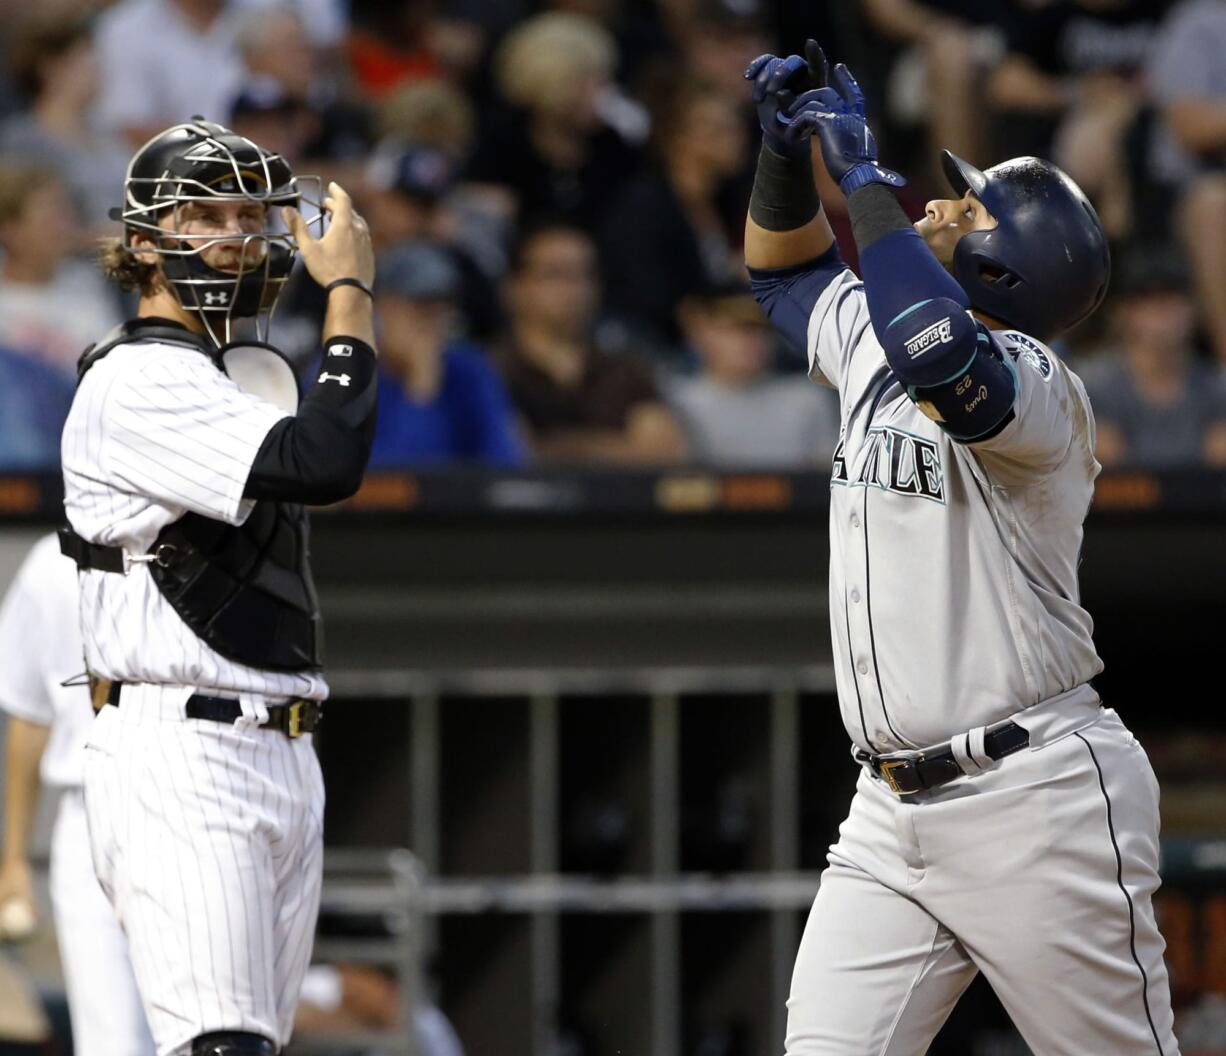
x,y
208,841
1039,872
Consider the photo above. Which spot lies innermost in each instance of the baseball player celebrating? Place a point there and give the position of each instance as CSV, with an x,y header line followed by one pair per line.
x,y
1004,821
199,617
40,650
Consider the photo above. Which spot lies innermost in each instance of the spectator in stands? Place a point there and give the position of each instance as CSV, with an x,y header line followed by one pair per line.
x,y
578,403
285,83
440,400
407,192
282,123
431,113
736,411
718,39
1187,80
570,139
34,402
639,30
164,60
937,79
51,304
480,219
671,230
1155,405
1070,87
393,44
55,68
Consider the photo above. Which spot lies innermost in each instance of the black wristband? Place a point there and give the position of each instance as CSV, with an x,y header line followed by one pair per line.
x,y
784,197
350,282
874,213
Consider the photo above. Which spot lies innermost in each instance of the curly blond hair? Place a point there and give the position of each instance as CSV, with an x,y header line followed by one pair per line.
x,y
120,266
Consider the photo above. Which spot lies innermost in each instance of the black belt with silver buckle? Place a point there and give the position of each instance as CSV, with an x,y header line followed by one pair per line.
x,y
293,718
907,775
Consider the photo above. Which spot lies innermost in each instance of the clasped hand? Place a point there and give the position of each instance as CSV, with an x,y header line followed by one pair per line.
x,y
801,97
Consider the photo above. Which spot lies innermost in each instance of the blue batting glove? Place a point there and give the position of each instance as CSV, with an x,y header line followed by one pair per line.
x,y
775,82
835,114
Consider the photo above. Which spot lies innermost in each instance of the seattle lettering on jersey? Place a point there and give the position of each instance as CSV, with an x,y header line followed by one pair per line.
x,y
895,461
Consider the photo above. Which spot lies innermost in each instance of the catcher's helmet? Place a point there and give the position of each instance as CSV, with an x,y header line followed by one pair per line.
x,y
1045,266
203,161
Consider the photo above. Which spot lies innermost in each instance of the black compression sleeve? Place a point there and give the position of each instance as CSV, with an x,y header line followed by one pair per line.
x,y
784,197
320,454
874,213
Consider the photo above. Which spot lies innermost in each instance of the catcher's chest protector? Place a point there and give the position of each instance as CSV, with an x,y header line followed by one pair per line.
x,y
246,591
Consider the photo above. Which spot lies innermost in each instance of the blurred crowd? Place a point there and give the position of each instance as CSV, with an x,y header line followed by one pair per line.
x,y
557,189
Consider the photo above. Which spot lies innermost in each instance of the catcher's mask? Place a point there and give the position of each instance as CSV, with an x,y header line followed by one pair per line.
x,y
201,161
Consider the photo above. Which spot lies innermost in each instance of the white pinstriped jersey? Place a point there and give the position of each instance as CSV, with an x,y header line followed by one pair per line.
x,y
40,647
954,600
156,431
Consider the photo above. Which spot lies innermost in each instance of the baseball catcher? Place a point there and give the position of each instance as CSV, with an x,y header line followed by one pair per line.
x,y
187,463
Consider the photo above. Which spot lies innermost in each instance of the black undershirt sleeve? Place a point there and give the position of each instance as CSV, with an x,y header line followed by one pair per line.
x,y
784,195
319,455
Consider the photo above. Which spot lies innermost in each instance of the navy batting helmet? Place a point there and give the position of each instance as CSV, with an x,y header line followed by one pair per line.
x,y
1045,266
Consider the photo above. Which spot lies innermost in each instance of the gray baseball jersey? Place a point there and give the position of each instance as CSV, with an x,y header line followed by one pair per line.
x,y
953,567
954,605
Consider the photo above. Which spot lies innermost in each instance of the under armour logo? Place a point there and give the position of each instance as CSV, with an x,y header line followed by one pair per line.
x,y
340,350
342,378
216,297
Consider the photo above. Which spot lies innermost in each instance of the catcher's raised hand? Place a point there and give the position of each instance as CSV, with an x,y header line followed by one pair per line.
x,y
345,249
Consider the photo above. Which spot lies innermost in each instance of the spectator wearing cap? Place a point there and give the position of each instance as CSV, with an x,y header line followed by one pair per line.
x,y
736,411
265,114
674,229
578,403
1156,405
440,400
568,138
408,188
56,70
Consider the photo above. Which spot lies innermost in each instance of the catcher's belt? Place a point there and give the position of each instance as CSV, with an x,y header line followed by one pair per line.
x,y
293,718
